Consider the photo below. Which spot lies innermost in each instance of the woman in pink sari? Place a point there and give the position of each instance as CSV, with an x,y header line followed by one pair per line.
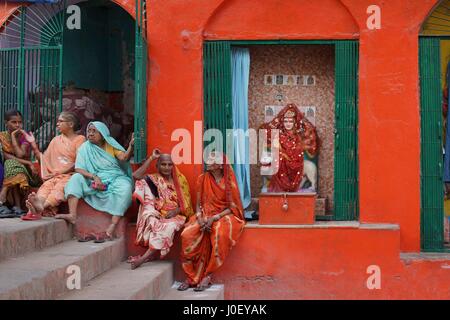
x,y
57,166
165,204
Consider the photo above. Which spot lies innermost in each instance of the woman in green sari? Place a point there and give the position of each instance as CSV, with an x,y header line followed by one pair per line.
x,y
103,176
19,172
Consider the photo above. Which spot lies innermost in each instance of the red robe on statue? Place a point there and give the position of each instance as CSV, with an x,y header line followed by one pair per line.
x,y
292,145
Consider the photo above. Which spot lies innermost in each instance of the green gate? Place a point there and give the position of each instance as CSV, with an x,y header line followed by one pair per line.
x,y
217,88
346,131
140,112
218,110
31,67
431,177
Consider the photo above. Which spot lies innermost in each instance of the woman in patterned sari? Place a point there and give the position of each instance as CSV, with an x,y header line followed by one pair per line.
x,y
211,233
19,172
103,177
165,204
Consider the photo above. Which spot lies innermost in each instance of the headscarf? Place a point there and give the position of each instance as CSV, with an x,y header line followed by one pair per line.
x,y
104,131
232,195
302,127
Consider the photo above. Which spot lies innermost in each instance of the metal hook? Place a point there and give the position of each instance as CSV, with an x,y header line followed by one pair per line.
x,y
285,205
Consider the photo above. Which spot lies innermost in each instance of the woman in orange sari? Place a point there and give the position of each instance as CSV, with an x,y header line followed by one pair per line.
x,y
57,166
211,233
165,203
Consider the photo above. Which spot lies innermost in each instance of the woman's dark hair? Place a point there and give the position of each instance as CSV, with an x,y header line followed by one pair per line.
x,y
12,113
71,117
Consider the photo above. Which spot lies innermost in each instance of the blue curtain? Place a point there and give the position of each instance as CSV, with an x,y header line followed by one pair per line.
x,y
240,59
447,136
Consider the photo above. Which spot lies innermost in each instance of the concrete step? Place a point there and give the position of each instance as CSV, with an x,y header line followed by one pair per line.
x,y
148,282
19,237
215,292
45,274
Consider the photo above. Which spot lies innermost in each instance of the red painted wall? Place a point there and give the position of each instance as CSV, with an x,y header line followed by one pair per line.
x,y
389,131
312,263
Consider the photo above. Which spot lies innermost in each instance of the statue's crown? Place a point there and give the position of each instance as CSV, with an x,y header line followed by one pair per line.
x,y
289,114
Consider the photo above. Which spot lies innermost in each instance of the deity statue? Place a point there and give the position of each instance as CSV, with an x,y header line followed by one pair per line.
x,y
297,145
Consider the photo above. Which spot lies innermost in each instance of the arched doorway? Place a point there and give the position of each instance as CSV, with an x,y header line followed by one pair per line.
x,y
434,58
96,68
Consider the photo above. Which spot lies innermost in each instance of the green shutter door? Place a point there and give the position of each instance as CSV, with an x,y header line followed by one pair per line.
x,y
432,192
140,101
217,87
346,118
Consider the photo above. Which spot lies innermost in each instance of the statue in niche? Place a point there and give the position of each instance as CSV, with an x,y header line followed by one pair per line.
x,y
297,145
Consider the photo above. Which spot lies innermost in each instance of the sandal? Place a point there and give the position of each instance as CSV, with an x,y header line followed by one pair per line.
x,y
201,286
31,216
184,286
5,212
18,212
102,238
87,238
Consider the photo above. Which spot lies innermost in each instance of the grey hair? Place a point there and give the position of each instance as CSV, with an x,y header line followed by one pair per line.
x,y
71,117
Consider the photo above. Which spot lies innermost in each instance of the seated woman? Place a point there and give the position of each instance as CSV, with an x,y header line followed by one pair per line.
x,y
102,178
57,166
165,203
19,172
211,233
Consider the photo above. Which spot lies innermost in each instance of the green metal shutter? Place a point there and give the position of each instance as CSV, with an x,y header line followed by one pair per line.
x,y
346,117
9,65
217,87
31,51
140,111
432,192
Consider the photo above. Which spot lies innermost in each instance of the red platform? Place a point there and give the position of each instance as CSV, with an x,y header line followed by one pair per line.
x,y
300,208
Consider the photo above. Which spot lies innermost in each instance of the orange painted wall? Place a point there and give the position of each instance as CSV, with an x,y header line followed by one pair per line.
x,y
6,9
312,263
389,131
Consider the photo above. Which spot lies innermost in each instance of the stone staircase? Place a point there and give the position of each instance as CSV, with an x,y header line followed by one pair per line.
x,y
38,259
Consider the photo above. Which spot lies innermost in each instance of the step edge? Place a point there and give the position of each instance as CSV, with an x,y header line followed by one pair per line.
x,y
20,292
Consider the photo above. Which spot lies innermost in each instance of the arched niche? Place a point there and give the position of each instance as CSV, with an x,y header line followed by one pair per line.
x,y
287,19
438,21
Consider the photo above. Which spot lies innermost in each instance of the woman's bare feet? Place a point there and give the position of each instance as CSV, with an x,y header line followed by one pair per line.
x,y
71,218
136,261
110,230
30,206
36,202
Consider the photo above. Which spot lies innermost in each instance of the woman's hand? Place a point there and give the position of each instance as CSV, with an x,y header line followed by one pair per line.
x,y
172,213
200,219
131,141
29,137
208,224
97,180
15,132
33,169
156,153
